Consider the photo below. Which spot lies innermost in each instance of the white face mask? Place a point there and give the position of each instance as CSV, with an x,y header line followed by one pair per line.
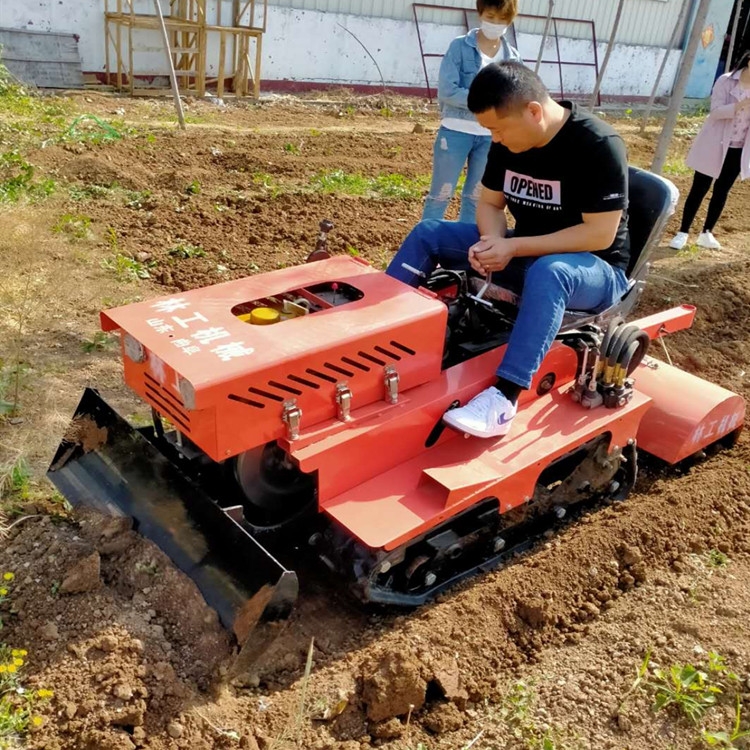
x,y
493,31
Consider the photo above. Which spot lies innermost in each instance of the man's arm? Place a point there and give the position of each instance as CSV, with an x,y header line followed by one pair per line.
x,y
491,218
596,232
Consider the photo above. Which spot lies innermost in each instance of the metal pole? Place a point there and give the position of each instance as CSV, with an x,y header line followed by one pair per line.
x,y
681,19
733,38
610,47
545,34
172,76
678,95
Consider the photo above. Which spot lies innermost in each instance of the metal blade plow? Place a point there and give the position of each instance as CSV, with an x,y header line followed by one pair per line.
x,y
105,463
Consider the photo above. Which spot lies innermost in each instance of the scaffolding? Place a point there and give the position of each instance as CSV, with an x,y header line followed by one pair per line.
x,y
192,33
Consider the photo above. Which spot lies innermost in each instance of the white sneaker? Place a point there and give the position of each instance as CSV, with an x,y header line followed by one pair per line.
x,y
679,241
488,414
708,241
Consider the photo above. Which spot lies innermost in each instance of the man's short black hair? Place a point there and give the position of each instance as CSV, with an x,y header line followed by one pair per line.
x,y
506,87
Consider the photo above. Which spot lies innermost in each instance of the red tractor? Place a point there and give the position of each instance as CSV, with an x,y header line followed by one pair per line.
x,y
302,409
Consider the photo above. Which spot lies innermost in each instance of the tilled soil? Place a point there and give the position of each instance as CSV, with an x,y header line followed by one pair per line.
x,y
135,657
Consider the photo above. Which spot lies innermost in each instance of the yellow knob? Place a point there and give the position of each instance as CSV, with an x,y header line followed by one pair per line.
x,y
263,316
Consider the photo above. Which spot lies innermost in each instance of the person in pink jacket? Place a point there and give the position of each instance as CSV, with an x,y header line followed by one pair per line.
x,y
721,152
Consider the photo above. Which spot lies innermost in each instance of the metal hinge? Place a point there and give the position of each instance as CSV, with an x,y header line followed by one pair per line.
x,y
344,401
291,416
390,379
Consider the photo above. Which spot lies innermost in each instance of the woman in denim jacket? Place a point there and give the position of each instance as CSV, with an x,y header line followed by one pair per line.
x,y
460,139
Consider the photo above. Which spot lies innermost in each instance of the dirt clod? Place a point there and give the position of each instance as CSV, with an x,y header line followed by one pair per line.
x,y
83,576
393,686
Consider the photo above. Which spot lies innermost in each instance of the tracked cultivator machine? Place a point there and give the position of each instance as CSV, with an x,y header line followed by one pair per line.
x,y
300,411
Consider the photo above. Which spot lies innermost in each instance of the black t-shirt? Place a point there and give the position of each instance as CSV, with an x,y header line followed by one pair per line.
x,y
582,170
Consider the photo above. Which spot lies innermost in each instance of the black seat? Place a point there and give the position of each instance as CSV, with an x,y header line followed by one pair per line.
x,y
652,201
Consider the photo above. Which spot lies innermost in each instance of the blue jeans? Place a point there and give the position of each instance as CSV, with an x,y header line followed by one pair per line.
x,y
450,153
548,286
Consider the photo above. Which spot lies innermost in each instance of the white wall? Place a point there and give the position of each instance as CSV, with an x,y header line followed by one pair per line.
x,y
312,46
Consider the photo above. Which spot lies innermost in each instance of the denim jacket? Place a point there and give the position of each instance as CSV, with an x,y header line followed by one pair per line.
x,y
458,69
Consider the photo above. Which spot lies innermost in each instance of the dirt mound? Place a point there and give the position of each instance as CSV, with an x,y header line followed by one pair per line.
x,y
91,170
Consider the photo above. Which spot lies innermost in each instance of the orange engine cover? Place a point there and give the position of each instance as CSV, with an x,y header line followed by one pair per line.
x,y
223,382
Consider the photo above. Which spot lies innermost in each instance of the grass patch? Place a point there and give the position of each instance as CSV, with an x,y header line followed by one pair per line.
x,y
676,167
383,186
73,226
16,180
126,268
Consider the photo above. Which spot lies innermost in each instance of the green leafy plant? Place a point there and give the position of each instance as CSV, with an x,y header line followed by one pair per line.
x,y
86,192
137,199
715,559
16,179
686,688
727,739
186,250
126,268
98,342
291,148
193,188
17,704
75,226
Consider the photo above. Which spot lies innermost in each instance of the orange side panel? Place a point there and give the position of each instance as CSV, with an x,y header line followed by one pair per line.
x,y
688,413
381,436
404,502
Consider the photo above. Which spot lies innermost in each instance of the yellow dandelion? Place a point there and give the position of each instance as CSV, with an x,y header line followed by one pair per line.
x,y
44,693
9,576
23,652
15,652
18,662
3,592
3,669
12,668
37,721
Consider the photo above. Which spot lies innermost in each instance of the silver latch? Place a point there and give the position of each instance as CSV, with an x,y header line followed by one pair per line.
x,y
391,384
291,416
344,401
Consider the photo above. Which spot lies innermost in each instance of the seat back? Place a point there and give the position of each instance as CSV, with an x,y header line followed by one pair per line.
x,y
652,201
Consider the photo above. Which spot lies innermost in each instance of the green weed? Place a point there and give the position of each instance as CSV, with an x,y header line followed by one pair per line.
x,y
126,268
87,192
676,167
382,186
267,182
74,226
193,188
16,179
727,739
98,342
291,148
715,559
685,687
17,703
186,250
137,199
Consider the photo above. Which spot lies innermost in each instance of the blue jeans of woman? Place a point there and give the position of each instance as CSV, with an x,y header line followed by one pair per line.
x,y
451,151
548,285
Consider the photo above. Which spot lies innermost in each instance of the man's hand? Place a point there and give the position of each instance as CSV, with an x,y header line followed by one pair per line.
x,y
491,254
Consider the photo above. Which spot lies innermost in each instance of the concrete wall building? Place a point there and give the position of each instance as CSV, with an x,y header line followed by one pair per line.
x,y
321,42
